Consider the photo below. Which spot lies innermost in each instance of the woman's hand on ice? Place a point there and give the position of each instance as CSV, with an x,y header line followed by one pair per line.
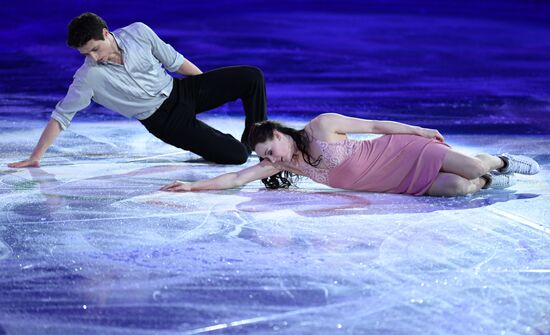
x,y
177,186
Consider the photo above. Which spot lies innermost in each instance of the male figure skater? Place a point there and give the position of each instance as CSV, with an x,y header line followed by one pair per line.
x,y
123,71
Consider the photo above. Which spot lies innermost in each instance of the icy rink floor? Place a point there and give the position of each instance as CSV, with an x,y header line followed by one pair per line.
x,y
88,245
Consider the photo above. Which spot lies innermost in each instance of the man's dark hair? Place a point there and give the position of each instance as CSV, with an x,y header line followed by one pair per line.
x,y
83,28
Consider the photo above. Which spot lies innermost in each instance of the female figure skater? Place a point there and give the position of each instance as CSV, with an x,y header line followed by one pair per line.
x,y
406,160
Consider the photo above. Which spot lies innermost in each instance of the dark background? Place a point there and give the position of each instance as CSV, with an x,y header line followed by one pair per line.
x,y
463,67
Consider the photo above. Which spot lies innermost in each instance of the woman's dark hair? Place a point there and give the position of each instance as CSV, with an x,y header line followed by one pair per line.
x,y
84,28
263,131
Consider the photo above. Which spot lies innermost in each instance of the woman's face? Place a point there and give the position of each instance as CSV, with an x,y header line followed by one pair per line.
x,y
279,149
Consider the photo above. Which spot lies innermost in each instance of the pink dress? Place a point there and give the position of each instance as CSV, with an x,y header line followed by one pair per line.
x,y
405,164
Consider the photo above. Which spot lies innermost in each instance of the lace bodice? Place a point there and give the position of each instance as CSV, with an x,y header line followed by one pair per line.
x,y
333,154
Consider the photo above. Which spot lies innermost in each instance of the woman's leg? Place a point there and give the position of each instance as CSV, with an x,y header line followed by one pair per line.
x,y
450,185
470,167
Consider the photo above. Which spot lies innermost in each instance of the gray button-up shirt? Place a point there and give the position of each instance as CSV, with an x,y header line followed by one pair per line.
x,y
135,89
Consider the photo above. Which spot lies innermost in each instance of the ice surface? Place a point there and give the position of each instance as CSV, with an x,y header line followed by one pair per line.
x,y
89,245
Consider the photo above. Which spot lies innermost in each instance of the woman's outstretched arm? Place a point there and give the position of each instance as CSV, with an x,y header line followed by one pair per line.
x,y
261,170
331,122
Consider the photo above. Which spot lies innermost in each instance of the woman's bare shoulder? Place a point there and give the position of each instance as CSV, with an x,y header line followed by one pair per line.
x,y
321,128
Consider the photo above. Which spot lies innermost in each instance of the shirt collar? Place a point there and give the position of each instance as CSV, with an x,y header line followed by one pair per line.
x,y
118,41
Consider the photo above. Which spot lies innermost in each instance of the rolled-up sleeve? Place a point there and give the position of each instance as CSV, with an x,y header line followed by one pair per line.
x,y
164,52
78,97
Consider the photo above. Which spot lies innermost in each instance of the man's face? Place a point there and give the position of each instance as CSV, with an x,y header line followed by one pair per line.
x,y
98,50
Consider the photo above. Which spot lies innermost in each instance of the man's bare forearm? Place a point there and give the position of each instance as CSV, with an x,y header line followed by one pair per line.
x,y
50,133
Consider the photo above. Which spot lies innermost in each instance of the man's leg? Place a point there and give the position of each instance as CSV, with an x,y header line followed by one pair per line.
x,y
211,144
175,123
203,140
217,87
214,145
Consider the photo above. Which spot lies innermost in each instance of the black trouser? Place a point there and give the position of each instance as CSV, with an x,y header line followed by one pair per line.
x,y
175,121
